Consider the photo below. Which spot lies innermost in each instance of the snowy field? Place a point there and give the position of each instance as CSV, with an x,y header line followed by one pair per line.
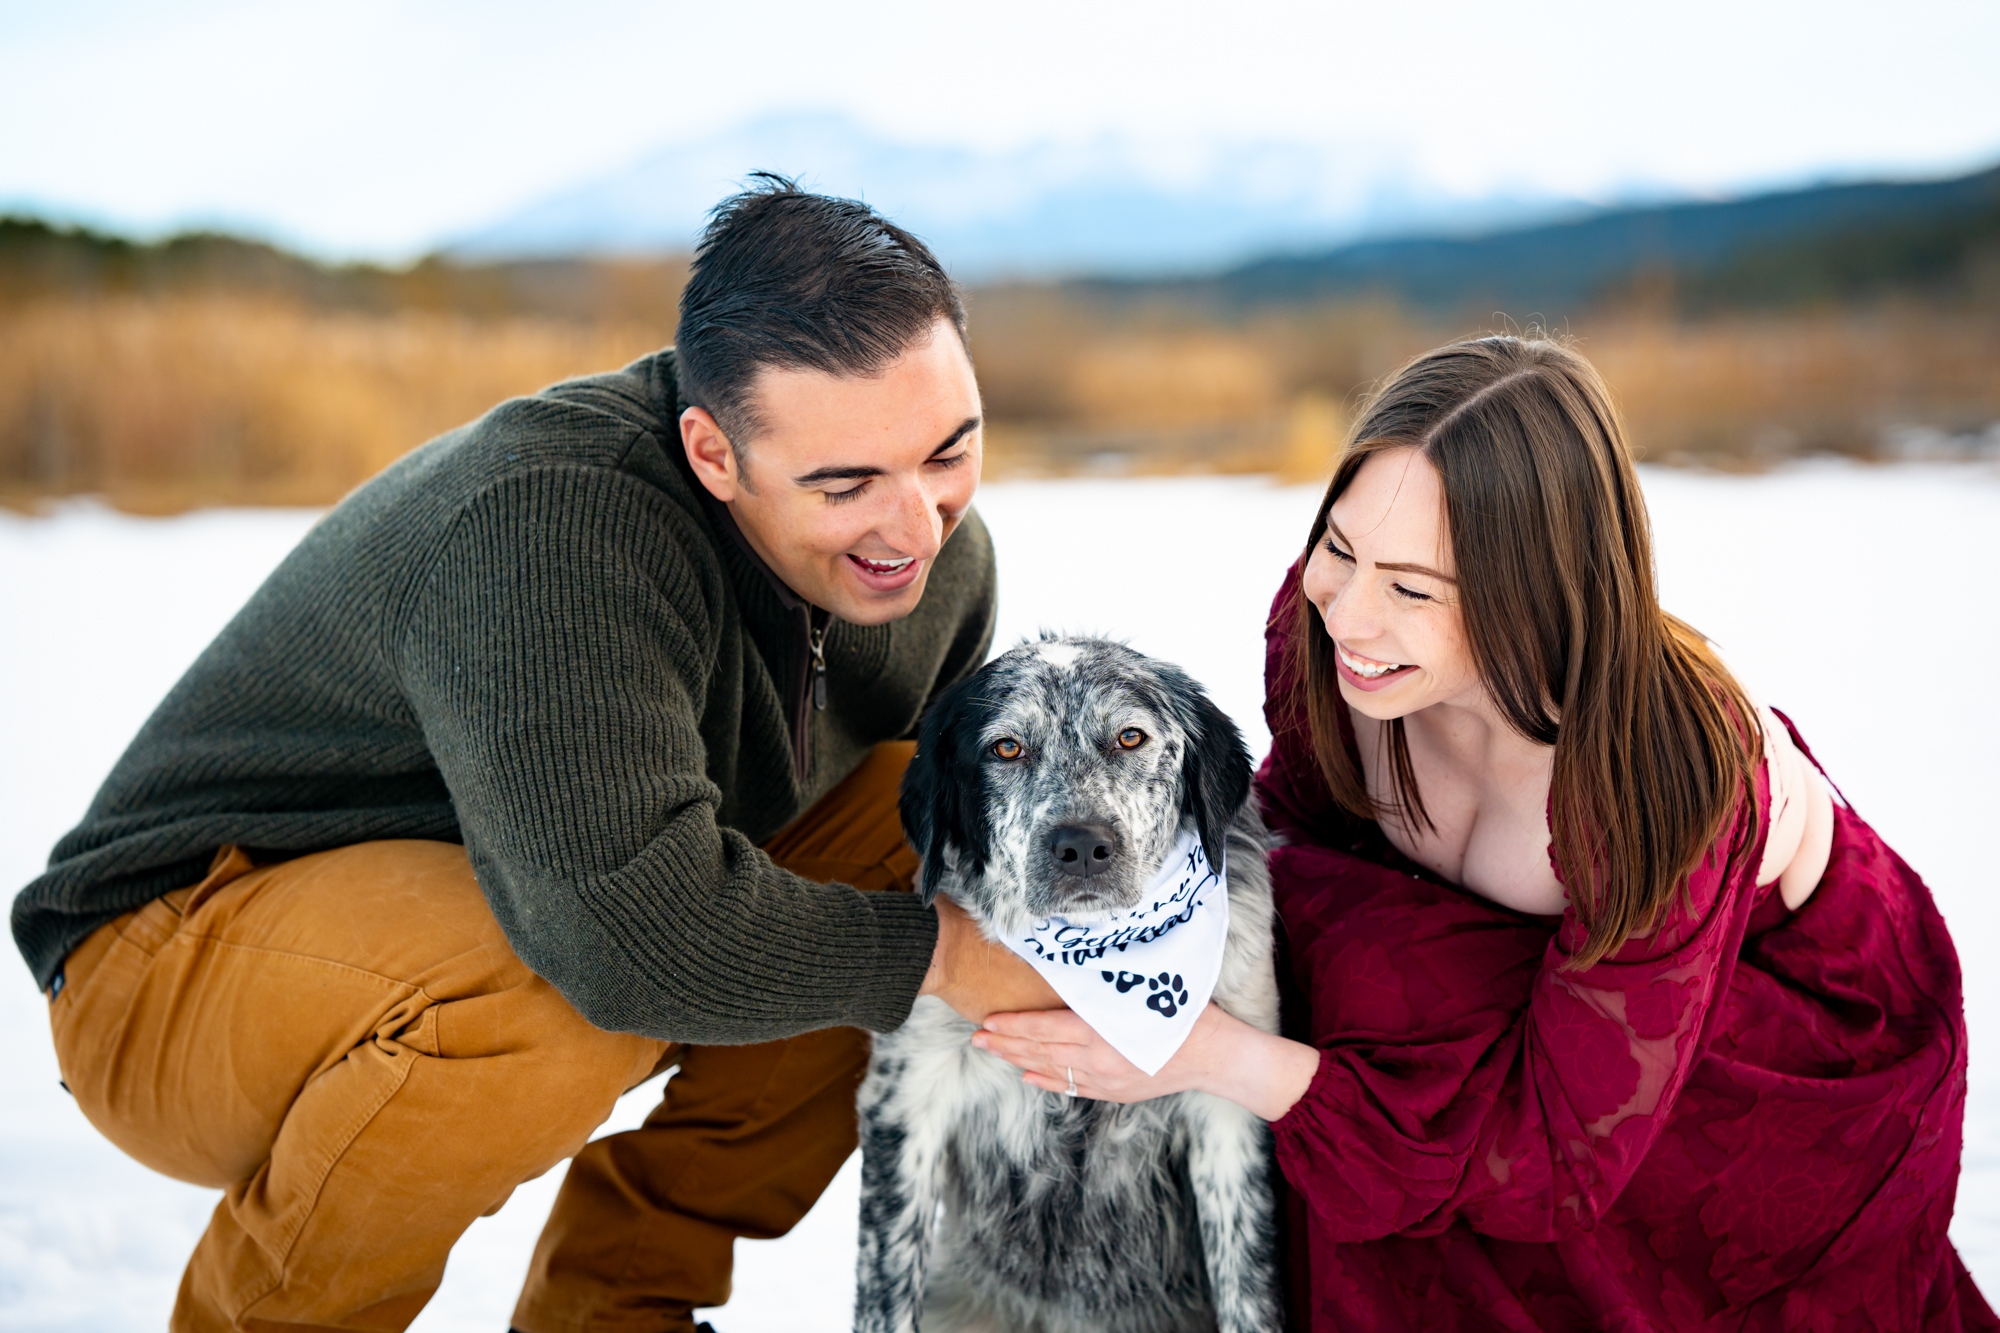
x,y
1865,602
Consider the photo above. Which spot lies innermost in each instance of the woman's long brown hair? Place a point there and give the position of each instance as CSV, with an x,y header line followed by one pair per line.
x,y
1654,740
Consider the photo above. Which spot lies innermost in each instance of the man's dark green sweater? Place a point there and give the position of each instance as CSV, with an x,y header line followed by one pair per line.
x,y
538,636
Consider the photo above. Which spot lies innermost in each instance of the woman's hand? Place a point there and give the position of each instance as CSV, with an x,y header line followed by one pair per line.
x,y
1222,1055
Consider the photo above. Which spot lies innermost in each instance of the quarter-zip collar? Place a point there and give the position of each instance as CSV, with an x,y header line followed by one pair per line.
x,y
808,683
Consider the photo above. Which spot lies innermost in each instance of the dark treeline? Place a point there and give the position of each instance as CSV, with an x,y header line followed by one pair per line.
x,y
40,261
1939,240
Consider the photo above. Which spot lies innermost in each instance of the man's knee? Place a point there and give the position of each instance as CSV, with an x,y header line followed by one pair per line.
x,y
555,1040
525,1057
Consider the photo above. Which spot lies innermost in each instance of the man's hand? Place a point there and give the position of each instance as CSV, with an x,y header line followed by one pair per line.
x,y
977,977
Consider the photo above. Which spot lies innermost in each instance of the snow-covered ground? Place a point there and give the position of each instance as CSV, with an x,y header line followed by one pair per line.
x,y
1864,601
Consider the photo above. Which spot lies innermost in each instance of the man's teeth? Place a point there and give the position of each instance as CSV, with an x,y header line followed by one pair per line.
x,y
1368,669
886,566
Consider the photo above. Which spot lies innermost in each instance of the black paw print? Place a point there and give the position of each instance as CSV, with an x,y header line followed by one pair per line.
x,y
1124,981
1168,994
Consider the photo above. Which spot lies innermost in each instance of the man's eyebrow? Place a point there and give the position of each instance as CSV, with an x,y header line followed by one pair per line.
x,y
819,476
1395,566
965,428
825,474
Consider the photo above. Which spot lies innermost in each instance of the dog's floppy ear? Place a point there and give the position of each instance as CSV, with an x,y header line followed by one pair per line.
x,y
1215,773
943,799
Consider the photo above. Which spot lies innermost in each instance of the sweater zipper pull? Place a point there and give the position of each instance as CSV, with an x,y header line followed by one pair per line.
x,y
819,665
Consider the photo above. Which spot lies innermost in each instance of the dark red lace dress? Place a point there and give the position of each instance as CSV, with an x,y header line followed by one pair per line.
x,y
1749,1120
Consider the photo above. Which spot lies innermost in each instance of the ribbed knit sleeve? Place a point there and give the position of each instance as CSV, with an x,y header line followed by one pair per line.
x,y
556,654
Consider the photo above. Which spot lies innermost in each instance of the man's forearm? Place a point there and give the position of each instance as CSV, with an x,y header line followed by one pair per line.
x,y
757,958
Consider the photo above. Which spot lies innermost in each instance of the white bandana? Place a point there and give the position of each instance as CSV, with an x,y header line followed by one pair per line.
x,y
1141,978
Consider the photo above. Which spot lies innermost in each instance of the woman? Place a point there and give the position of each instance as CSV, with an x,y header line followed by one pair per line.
x,y
1608,1016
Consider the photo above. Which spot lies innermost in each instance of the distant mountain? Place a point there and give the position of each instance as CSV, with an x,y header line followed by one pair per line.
x,y
1828,242
1114,206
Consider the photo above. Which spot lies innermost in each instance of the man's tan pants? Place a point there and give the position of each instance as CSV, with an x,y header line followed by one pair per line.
x,y
346,1045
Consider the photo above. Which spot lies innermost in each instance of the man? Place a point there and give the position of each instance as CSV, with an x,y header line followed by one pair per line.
x,y
452,835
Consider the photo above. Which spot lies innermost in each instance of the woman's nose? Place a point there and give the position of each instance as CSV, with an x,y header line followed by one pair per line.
x,y
1350,614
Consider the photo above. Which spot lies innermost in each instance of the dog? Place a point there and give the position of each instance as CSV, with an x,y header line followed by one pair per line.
x,y
988,1204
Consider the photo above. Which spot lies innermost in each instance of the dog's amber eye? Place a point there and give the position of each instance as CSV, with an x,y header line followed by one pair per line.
x,y
1131,738
1007,748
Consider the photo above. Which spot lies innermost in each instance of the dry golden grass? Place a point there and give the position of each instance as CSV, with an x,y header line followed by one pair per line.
x,y
1749,390
159,403
1274,394
180,399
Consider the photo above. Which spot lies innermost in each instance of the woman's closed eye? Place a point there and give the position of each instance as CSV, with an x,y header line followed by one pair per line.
x,y
1403,591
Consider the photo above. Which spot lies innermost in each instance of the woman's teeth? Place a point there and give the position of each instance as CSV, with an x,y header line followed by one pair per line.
x,y
883,566
1367,669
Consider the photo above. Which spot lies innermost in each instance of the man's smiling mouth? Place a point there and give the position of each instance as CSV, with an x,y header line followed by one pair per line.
x,y
883,566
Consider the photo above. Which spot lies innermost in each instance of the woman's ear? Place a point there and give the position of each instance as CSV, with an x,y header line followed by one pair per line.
x,y
1215,773
942,801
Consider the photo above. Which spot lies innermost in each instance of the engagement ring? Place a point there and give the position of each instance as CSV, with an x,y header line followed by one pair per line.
x,y
1070,1091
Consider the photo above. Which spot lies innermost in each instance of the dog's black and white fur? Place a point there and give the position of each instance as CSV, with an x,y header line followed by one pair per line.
x,y
988,1204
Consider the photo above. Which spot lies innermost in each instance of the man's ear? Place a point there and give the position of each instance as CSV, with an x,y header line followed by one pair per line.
x,y
944,798
711,455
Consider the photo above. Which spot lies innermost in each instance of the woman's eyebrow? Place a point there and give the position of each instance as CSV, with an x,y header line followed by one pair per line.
x,y
1405,567
1394,566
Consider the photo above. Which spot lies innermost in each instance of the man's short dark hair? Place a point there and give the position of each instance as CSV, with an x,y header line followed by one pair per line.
x,y
799,281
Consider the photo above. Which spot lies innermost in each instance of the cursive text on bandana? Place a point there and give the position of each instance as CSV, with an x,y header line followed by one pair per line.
x,y
1140,978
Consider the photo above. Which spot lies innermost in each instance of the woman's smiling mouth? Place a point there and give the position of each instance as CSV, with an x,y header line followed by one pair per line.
x,y
1367,673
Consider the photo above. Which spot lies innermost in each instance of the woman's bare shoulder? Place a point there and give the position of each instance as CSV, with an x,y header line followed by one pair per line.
x,y
1800,838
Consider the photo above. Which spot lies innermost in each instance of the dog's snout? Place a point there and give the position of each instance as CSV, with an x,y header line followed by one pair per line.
x,y
1082,849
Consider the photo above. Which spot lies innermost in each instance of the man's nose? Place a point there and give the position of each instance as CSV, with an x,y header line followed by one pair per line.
x,y
914,526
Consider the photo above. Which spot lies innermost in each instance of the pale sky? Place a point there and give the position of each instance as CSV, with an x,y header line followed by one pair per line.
x,y
378,127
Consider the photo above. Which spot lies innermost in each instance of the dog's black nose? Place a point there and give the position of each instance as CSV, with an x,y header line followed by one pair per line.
x,y
1082,849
